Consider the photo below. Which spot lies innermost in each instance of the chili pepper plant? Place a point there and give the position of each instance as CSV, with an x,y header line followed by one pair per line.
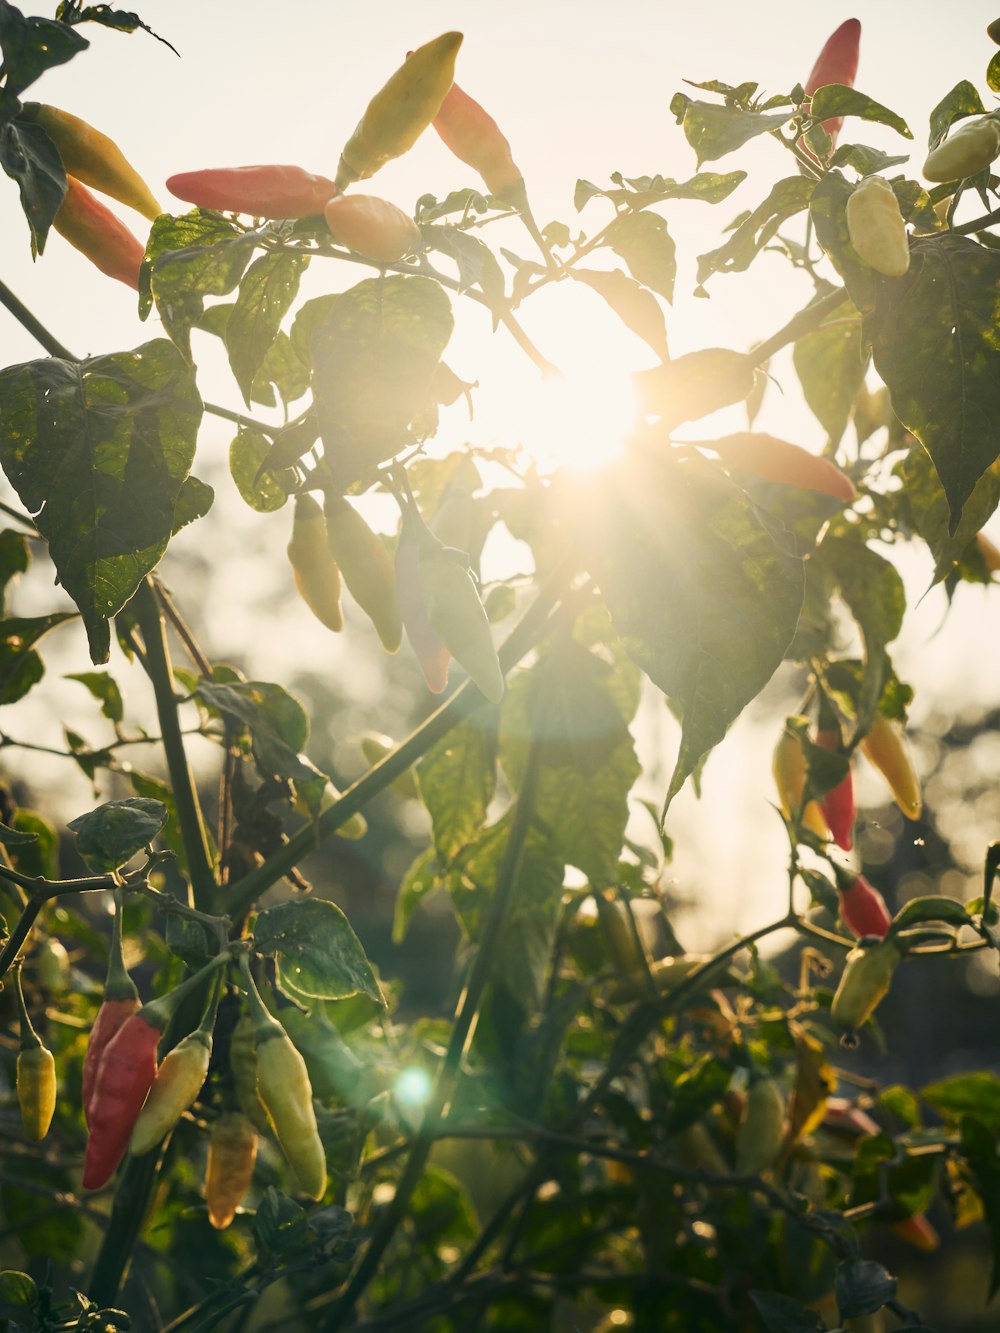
x,y
603,1128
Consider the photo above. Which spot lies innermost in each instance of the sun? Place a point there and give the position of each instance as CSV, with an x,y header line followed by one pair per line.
x,y
577,420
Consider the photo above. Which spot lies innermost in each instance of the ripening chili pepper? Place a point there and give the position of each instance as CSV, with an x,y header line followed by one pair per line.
x,y
371,227
876,227
232,1152
885,746
475,138
455,610
285,1090
777,460
865,982
842,1116
317,576
970,147
124,1077
121,1000
862,908
97,233
35,1072
274,191
178,1081
400,111
52,966
836,63
838,803
366,567
918,1232
243,1067
698,1147
789,769
424,639
761,1131
93,158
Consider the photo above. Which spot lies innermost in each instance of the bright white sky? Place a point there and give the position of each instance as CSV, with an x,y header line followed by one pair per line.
x,y
580,89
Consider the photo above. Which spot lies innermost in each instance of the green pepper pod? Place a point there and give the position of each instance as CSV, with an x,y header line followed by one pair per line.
x,y
865,982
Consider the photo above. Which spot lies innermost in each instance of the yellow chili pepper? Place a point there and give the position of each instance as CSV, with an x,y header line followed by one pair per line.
x,y
93,158
317,576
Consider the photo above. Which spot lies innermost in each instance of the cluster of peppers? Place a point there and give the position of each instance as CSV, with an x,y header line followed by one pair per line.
x,y
132,1101
429,588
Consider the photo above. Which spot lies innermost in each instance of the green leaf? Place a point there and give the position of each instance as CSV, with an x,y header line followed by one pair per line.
x,y
457,781
636,307
786,198
108,837
29,156
529,927
697,1089
105,690
189,258
98,450
962,101
862,1287
695,385
836,100
267,291
278,728
373,351
663,542
15,557
280,370
873,589
30,46
866,161
993,73
280,1225
316,950
831,363
976,1094
927,506
157,790
18,1294
194,500
713,131
441,1211
262,490
477,266
934,343
784,1314
564,708
979,1146
420,880
39,856
643,241
20,665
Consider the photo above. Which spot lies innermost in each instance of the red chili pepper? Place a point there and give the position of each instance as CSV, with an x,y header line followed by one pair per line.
x,y
778,460
838,803
124,1078
121,1000
862,908
476,139
98,234
837,63
262,192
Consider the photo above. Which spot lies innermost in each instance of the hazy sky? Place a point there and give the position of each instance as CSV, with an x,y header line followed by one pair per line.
x,y
580,89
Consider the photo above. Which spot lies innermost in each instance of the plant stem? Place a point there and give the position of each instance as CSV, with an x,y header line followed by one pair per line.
x,y
127,1213
189,816
455,709
461,1034
804,322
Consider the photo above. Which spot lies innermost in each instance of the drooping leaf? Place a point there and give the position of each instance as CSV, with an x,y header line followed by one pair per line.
x,y
643,241
830,363
927,507
836,100
477,266
784,1314
866,161
194,500
20,665
974,1094
105,690
29,156
316,950
693,540
695,385
563,708
636,307
267,291
457,781
873,590
863,1287
15,558
963,100
30,46
419,881
259,487
98,451
934,343
40,856
108,837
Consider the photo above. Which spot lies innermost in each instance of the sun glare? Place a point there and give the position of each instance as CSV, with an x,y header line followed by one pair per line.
x,y
577,421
